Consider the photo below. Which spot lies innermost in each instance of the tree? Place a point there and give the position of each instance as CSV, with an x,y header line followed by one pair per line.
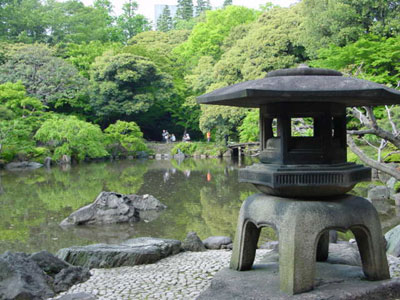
x,y
249,130
125,84
202,6
46,77
124,138
72,21
377,130
371,58
83,55
184,10
208,35
13,97
164,22
251,52
22,21
20,117
340,22
227,3
71,136
130,23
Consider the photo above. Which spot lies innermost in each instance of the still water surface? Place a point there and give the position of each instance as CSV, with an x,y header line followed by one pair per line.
x,y
201,195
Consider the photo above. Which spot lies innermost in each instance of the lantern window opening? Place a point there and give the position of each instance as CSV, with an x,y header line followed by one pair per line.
x,y
302,127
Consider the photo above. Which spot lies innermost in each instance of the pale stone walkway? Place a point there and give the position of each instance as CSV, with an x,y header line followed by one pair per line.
x,y
182,276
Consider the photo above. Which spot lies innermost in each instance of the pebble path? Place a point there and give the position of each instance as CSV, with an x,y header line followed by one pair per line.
x,y
182,276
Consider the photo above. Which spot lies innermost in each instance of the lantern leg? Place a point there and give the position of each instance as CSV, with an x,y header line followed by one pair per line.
x,y
245,245
323,247
297,253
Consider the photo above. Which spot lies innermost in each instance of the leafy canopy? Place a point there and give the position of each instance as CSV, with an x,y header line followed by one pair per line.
x,y
48,78
71,136
125,84
125,135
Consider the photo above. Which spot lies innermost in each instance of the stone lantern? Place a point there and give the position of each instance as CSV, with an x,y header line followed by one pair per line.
x,y
304,179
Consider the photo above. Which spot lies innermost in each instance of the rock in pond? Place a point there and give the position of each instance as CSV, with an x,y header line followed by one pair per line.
x,y
23,165
216,242
144,250
110,207
24,276
193,243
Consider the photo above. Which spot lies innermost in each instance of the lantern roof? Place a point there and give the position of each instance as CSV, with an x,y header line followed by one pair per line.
x,y
303,84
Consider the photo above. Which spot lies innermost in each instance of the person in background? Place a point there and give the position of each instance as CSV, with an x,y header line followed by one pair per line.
x,y
187,137
173,138
164,136
208,136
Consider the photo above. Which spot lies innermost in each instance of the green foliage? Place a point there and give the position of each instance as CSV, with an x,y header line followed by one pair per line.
x,y
199,148
249,131
125,84
13,97
130,23
125,135
202,6
397,186
340,22
164,22
184,147
184,10
370,58
73,22
83,55
71,136
227,2
48,78
208,36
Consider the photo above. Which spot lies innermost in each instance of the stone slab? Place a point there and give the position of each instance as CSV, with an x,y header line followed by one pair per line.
x,y
332,282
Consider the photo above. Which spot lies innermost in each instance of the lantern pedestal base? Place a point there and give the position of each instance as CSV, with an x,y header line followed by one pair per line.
x,y
303,229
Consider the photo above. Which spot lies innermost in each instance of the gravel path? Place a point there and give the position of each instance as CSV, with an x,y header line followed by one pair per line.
x,y
182,276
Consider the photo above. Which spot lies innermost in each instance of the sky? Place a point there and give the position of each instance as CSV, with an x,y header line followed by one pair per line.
x,y
146,7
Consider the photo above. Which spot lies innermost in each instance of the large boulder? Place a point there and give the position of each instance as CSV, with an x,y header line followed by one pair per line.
x,y
36,276
23,165
393,241
110,208
22,278
216,242
192,242
132,252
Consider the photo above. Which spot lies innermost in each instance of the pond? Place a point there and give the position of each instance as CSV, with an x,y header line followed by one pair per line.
x,y
202,196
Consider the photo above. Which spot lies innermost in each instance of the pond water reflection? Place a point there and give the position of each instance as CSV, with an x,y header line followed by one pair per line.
x,y
201,195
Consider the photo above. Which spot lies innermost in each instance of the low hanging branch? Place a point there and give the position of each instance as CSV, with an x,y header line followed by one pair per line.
x,y
370,162
369,121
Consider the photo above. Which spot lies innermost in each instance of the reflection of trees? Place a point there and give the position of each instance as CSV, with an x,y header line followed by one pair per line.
x,y
32,200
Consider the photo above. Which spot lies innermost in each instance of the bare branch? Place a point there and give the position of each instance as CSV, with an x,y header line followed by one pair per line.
x,y
369,121
370,162
361,132
389,113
